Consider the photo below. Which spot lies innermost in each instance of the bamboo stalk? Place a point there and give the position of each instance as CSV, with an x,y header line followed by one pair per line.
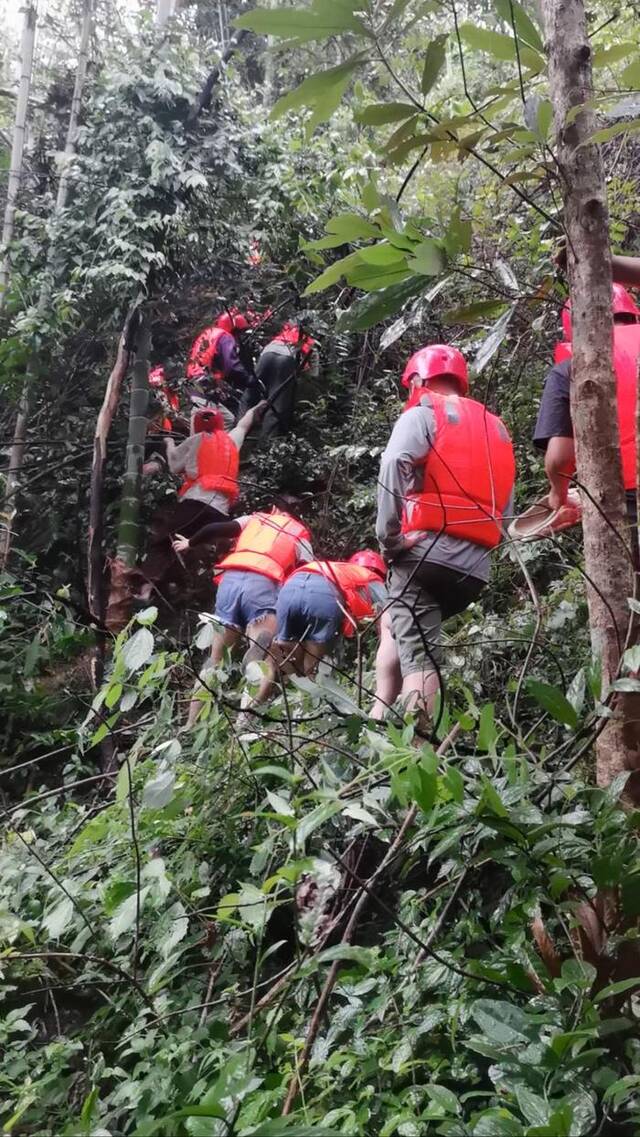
x,y
17,146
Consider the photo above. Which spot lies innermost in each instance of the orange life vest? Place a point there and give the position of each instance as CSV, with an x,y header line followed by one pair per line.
x,y
626,353
203,353
267,545
218,463
351,582
468,474
291,336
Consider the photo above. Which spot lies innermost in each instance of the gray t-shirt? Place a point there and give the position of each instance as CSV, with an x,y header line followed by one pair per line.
x,y
183,459
401,474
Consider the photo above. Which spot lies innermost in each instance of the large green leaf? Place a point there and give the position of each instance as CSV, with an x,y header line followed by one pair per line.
x,y
351,227
553,701
323,19
322,93
370,278
500,46
513,13
383,254
332,274
475,313
427,258
608,55
377,114
434,62
380,305
608,132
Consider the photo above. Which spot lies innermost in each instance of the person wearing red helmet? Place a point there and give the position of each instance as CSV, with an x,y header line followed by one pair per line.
x,y
553,431
214,362
445,486
268,547
208,462
286,358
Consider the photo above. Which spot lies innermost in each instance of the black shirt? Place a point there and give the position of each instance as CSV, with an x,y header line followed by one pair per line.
x,y
554,414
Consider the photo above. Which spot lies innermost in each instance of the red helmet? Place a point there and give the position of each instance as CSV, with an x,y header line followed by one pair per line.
x,y
622,304
435,360
232,321
157,376
368,558
207,420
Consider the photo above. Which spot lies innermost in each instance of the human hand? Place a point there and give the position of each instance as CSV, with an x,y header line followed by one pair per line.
x,y
180,544
556,499
260,409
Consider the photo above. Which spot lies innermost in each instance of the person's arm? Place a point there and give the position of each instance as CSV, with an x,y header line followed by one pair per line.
x,y
244,425
209,534
626,270
408,447
559,464
178,455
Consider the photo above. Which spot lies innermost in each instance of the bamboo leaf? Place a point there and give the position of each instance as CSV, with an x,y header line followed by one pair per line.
x,y
513,13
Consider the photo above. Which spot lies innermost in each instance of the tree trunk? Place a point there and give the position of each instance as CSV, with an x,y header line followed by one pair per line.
x,y
164,12
17,146
593,387
16,454
128,541
95,561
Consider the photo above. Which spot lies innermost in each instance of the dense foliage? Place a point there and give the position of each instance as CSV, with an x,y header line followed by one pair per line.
x,y
449,923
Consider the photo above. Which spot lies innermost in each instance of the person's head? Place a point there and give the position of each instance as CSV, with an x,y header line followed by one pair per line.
x,y
439,367
207,420
288,503
232,321
369,558
623,307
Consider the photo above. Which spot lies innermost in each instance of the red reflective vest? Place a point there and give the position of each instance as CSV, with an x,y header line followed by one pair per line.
x,y
468,476
203,353
218,462
351,581
626,353
268,545
291,336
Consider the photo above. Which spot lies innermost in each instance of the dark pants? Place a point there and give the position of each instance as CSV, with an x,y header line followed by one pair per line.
x,y
278,377
421,595
161,565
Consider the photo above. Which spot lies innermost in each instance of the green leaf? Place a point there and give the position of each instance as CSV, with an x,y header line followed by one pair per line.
x,y
158,792
551,699
434,62
617,988
114,692
475,313
534,1108
487,732
58,919
458,235
371,278
147,616
513,13
332,274
316,818
454,782
490,800
608,132
137,650
605,56
380,305
383,254
377,114
427,258
500,46
503,1023
631,75
123,781
491,344
125,916
422,783
443,1097
323,19
351,227
322,93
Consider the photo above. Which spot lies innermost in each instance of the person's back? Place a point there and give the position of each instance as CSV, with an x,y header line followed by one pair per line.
x,y
445,485
288,356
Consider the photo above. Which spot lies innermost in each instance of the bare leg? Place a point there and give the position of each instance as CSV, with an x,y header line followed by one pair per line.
x,y
260,636
419,690
222,641
313,653
388,674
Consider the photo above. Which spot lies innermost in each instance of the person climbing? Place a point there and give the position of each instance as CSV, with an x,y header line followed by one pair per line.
x,y
446,483
208,461
163,421
553,431
324,599
288,356
215,365
268,547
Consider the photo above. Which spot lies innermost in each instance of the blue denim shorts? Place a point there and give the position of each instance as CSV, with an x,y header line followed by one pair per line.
x,y
245,597
308,609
